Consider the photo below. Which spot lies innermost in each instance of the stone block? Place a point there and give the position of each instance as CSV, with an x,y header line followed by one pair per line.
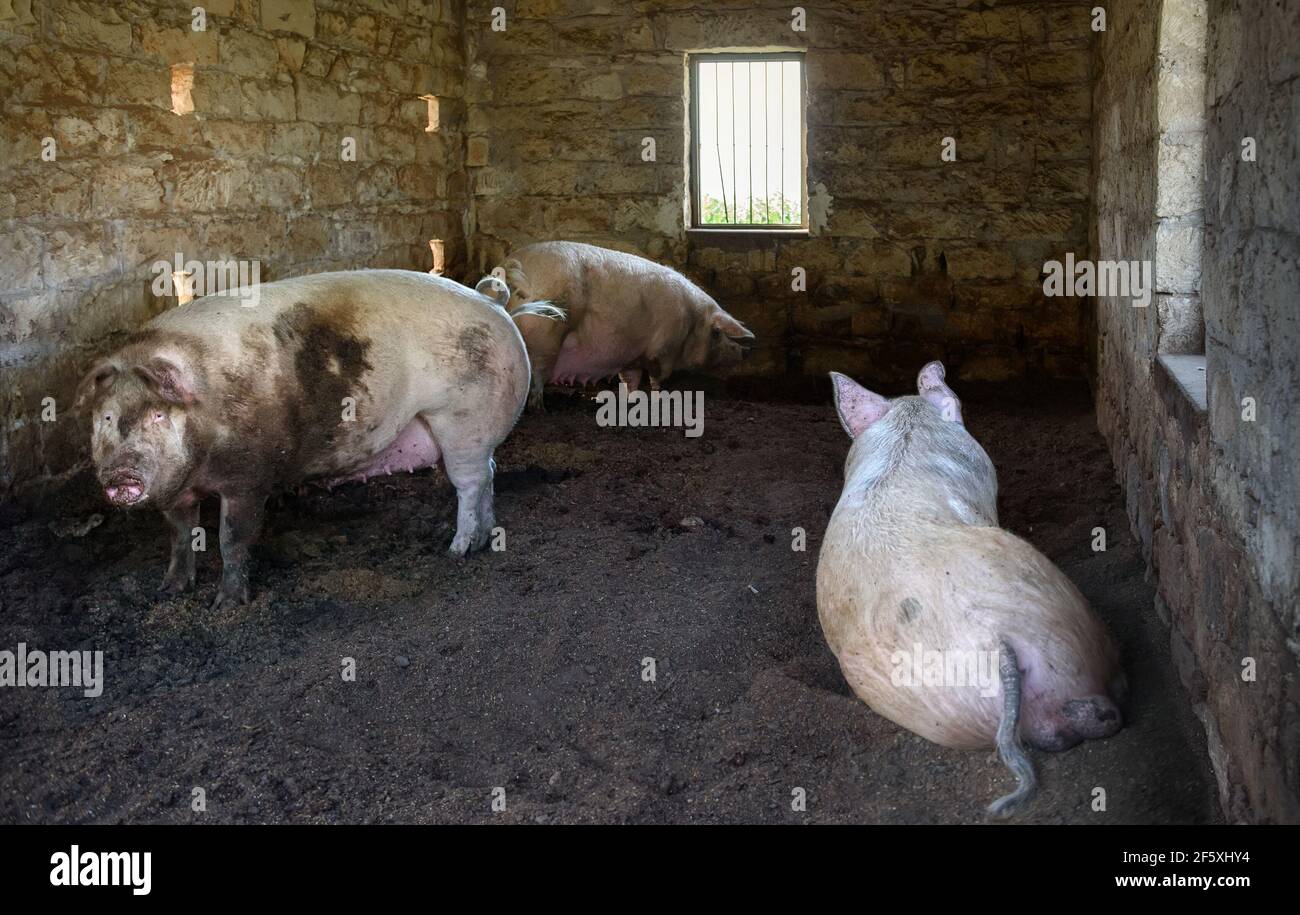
x,y
297,16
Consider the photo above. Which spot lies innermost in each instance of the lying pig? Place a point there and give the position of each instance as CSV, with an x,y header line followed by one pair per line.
x,y
914,562
625,316
332,377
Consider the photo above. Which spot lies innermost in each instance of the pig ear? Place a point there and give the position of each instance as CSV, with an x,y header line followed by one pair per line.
x,y
731,327
513,273
931,386
96,380
858,408
168,380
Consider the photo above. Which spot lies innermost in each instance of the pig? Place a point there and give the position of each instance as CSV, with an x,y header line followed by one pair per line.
x,y
626,316
914,561
332,377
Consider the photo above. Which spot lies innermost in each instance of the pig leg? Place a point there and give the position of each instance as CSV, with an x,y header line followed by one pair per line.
x,y
543,337
542,363
180,572
1008,738
659,371
241,520
631,378
486,516
536,402
470,471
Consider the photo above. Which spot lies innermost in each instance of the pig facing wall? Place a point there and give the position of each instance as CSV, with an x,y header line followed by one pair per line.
x,y
626,316
914,568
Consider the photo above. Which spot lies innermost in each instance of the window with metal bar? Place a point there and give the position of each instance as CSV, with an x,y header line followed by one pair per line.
x,y
747,141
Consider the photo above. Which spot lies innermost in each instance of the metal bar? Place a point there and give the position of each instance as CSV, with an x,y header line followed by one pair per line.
x,y
803,145
767,131
735,188
749,124
717,143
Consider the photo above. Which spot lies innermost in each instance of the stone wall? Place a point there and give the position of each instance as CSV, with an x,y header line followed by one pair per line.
x,y
256,169
908,258
1214,495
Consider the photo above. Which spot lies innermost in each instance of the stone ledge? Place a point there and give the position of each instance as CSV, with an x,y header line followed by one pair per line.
x,y
1187,374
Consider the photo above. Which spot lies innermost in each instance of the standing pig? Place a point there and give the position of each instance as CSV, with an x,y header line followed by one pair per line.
x,y
625,316
332,377
914,563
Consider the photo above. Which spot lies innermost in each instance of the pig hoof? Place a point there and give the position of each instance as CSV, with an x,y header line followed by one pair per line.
x,y
175,585
463,544
460,549
228,601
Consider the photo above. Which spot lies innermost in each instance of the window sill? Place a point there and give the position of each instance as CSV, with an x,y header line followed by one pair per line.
x,y
1187,374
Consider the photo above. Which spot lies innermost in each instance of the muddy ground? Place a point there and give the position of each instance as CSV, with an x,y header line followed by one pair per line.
x,y
522,669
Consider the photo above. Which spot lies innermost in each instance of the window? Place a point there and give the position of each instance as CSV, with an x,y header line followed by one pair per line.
x,y
747,141
1180,177
1180,196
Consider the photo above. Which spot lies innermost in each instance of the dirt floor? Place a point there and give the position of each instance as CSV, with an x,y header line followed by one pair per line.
x,y
522,669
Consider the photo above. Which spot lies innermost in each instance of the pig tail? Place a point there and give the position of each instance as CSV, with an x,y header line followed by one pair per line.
x,y
1013,755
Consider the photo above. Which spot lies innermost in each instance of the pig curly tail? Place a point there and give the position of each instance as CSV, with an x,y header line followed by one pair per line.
x,y
1013,755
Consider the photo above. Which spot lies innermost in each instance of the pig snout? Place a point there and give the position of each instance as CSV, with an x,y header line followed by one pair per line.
x,y
123,486
726,351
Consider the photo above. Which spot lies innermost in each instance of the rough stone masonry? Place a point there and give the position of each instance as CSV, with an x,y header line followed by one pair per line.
x,y
540,126
255,168
1213,494
907,256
